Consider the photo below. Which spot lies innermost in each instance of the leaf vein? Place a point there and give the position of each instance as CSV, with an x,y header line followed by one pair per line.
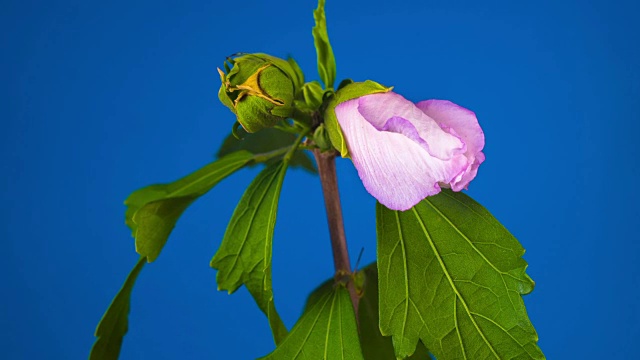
x,y
455,319
477,251
406,273
451,283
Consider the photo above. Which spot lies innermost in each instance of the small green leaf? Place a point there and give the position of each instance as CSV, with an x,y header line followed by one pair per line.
x,y
152,212
375,346
452,276
265,141
244,257
326,60
350,91
115,323
326,330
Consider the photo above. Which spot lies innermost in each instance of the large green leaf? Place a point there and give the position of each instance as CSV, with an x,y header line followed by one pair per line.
x,y
244,257
452,276
115,322
326,60
152,212
326,330
375,346
264,141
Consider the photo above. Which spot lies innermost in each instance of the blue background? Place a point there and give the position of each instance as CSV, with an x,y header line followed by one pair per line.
x,y
101,98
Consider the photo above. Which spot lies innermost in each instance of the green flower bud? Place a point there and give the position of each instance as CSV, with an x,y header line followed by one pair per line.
x,y
259,89
321,138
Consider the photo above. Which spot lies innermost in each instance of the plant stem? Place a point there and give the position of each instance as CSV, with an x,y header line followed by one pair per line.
x,y
329,180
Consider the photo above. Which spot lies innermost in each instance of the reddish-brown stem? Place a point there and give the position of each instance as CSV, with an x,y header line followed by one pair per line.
x,y
329,180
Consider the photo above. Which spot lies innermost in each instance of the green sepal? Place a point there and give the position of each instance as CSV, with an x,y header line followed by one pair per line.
x,y
289,67
152,212
326,59
115,322
237,132
348,92
299,75
222,94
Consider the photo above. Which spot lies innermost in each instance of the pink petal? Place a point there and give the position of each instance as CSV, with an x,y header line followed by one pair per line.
x,y
463,123
461,120
403,126
395,169
379,108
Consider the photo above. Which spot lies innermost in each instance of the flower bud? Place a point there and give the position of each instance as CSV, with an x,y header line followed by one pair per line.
x,y
259,89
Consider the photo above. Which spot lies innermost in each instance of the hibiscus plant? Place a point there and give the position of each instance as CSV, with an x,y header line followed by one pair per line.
x,y
449,278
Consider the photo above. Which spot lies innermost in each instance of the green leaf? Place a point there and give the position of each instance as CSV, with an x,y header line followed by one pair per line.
x,y
326,330
244,257
265,141
350,91
375,346
452,276
152,212
326,60
115,323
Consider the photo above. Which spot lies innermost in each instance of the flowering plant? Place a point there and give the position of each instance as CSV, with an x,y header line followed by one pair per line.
x,y
449,278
